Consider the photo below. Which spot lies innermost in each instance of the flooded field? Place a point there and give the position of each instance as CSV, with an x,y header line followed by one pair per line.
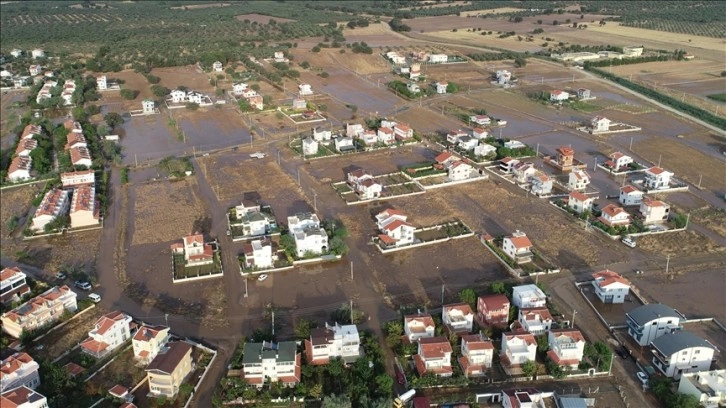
x,y
351,89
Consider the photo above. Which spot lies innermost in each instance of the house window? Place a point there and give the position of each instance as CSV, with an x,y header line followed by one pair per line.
x,y
696,351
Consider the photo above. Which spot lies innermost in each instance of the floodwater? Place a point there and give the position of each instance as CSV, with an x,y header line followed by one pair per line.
x,y
617,98
355,91
208,134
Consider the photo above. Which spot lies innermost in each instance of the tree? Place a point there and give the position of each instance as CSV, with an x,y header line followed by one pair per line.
x,y
316,391
542,343
529,368
518,19
303,329
113,119
128,94
315,49
468,296
520,61
160,91
384,383
498,287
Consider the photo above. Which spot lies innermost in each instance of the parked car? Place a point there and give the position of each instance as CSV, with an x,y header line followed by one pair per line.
x,y
629,242
83,285
60,275
643,377
262,277
622,352
95,298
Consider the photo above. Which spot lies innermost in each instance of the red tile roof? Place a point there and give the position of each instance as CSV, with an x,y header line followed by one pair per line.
x,y
194,239
106,322
608,277
612,210
16,397
434,347
578,196
494,302
655,170
94,346
386,239
628,189
424,319
565,151
19,163
649,202
520,242
531,313
8,273
14,363
73,369
476,342
559,361
443,157
79,153
395,224
119,391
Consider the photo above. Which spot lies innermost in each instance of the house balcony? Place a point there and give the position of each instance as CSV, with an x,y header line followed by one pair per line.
x,y
523,257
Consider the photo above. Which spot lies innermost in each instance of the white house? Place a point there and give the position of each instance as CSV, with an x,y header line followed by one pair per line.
x,y
522,171
579,202
353,130
484,150
278,362
16,53
618,161
19,370
395,230
527,296
458,318
681,352
610,287
321,134
479,133
239,87
418,326
656,178
434,356
477,353
578,180
507,164
630,196
633,51
195,251
22,397
13,285
483,120
309,237
55,203
386,135
415,71
102,83
344,144
535,320
402,132
368,189
566,347
331,342
178,96
34,70
413,87
147,106
37,53
279,56
540,184
503,76
69,87
559,96
584,93
458,171
648,322
305,89
467,143
454,136
259,254
523,398
514,144
25,146
709,387
441,87
438,58
148,341
42,310
109,333
518,247
369,137
195,97
517,348
217,66
654,211
600,124
309,146
613,215
84,209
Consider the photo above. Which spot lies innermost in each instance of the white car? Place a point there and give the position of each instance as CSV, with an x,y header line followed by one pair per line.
x,y
262,277
643,377
95,298
629,242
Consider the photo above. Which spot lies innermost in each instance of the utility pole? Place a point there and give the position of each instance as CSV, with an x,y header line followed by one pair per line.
x,y
442,293
574,312
278,157
136,161
668,261
659,157
194,152
298,176
273,322
351,312
166,318
351,270
246,293
537,154
631,144
315,200
700,179
610,369
688,218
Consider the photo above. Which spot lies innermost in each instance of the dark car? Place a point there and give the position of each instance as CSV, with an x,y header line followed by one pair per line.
x,y
623,353
83,285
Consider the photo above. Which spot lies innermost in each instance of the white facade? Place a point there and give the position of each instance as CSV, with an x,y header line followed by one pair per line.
x,y
413,87
709,387
19,370
578,180
239,88
535,320
83,209
681,352
333,341
309,146
467,143
518,247
559,96
656,178
458,317
309,237
386,135
19,169
630,196
654,211
322,134
147,106
525,296
101,83
109,333
22,397
518,347
217,66
353,130
178,96
441,87
648,322
278,362
343,143
418,327
522,171
610,287
258,254
567,346
13,285
434,355
541,184
305,89
37,53
484,149
55,203
76,178
438,58
613,215
600,124
477,353
619,160
579,202
39,311
148,341
514,144
459,170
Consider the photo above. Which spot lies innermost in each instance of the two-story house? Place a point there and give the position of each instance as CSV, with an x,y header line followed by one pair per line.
x,y
535,320
540,184
308,235
517,348
419,326
654,211
493,310
259,254
148,341
402,132
522,171
656,178
254,221
84,210
42,310
108,334
559,96
458,170
454,136
579,202
477,353
168,370
630,195
610,287
708,387
195,251
566,347
12,285
331,342
648,322
394,227
386,135
518,247
22,397
434,356
278,362
55,203
525,296
681,352
364,184
19,370
578,180
600,124
618,161
458,318
612,215
310,146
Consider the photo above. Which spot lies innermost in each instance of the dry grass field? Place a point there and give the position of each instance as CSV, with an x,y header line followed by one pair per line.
x,y
189,76
61,340
677,243
15,203
165,211
77,249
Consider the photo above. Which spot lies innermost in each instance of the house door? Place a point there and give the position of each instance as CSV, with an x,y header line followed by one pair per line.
x,y
609,299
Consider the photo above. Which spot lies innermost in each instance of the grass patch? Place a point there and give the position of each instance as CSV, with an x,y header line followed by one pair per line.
x,y
721,97
585,106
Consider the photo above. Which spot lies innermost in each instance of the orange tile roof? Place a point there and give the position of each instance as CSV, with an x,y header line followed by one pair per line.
x,y
532,313
16,397
19,163
194,239
649,202
118,390
435,347
655,170
560,361
73,369
424,319
565,151
520,242
106,322
84,199
574,334
608,277
8,273
146,333
524,335
443,157
94,346
462,307
395,224
628,189
477,342
494,302
31,130
26,144
386,239
612,210
385,130
578,196
616,155
14,363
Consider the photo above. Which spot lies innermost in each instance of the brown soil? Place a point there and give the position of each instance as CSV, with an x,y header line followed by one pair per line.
x,y
677,243
259,18
61,340
16,202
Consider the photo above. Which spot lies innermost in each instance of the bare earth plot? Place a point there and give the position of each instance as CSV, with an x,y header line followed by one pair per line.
x,y
65,338
134,81
262,19
188,76
375,35
149,138
427,120
212,128
377,162
15,203
677,243
678,292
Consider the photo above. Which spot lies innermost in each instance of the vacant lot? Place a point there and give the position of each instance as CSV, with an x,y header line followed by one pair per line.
x,y
188,76
212,128
377,162
123,371
65,338
165,211
261,19
677,243
15,205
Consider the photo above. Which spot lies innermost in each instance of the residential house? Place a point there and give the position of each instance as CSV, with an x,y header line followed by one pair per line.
x,y
654,211
514,144
683,352
656,178
445,159
369,137
259,254
148,106
482,120
278,362
333,342
518,247
16,53
12,285
395,230
309,236
35,70
279,56
507,164
517,348
72,126
30,131
102,83
630,196
610,287
305,89
69,87
196,97
477,353
239,87
148,341
386,135
257,101
709,387
633,51
195,251
458,318
523,398
22,397
441,87
74,139
108,334
583,93
299,104
39,311
84,210
397,59
578,180
168,370
485,150
579,202
78,178
402,132
438,58
648,322
178,96
522,171
321,134
566,347
612,215
37,53
415,71
44,92
493,310
413,87
309,146
565,157
559,96
344,144
19,370
600,124
454,136
55,203
526,296
364,184
540,184
536,320
467,143
480,133
80,156
418,327
459,170
217,66
434,356
353,130
618,161
253,220
503,76
19,82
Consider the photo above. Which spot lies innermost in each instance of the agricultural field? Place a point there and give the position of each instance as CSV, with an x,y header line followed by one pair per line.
x,y
261,18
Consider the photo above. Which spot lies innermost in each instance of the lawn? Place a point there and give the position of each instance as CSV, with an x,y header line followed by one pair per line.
x,y
400,189
181,271
721,97
445,230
